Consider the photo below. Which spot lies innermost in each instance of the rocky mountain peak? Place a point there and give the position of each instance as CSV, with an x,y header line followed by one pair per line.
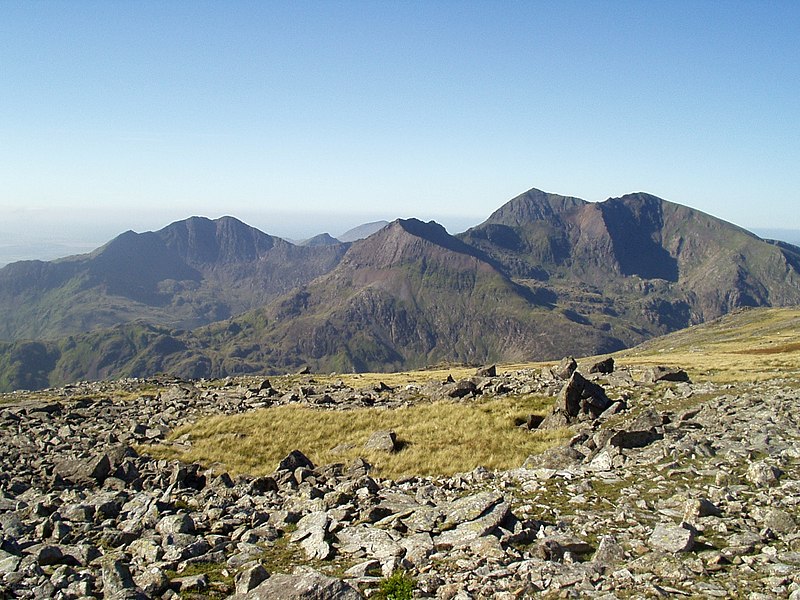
x,y
403,241
534,205
199,240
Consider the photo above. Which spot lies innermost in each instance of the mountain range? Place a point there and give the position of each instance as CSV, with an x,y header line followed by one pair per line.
x,y
544,276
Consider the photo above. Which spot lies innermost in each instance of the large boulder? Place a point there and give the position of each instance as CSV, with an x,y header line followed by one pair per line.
x,y
86,472
294,460
578,399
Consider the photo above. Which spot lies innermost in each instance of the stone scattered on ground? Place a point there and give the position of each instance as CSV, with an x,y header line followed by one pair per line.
x,y
667,488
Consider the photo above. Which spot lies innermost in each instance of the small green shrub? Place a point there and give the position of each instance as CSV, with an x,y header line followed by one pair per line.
x,y
399,586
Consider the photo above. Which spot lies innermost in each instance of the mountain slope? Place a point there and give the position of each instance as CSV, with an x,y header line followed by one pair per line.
x,y
543,277
661,264
190,273
410,295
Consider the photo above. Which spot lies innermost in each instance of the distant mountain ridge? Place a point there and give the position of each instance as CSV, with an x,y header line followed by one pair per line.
x,y
544,276
188,274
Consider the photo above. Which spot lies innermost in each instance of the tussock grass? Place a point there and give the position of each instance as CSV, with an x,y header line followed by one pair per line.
x,y
438,438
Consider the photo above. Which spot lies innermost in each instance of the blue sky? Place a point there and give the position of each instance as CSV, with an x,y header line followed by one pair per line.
x,y
302,117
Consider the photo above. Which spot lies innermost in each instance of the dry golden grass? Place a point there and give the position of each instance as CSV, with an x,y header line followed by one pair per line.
x,y
749,345
438,438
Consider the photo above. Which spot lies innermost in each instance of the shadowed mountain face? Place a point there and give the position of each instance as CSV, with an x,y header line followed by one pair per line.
x,y
190,273
543,277
674,265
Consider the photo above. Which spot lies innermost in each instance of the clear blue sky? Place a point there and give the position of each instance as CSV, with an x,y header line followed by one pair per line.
x,y
299,117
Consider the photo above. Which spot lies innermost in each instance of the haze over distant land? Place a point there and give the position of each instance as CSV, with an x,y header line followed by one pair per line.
x,y
39,235
791,236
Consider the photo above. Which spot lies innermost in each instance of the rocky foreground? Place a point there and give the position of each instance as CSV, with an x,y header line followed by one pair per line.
x,y
667,489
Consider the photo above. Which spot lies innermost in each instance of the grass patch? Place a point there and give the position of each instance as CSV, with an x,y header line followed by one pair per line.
x,y
439,438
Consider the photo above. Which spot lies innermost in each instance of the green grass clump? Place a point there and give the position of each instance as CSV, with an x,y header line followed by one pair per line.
x,y
398,586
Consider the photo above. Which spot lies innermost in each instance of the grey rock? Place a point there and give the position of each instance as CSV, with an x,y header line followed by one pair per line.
x,y
374,543
382,441
603,366
467,531
190,583
662,373
490,371
565,368
90,471
8,562
250,577
762,474
117,580
700,507
311,533
308,585
634,439
779,521
152,581
672,538
294,460
581,397
171,524
609,552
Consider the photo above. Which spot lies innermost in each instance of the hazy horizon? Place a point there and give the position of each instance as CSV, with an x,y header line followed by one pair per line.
x,y
81,236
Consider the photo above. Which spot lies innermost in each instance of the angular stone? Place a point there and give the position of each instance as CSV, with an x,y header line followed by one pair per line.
x,y
311,531
761,474
579,396
604,366
152,581
294,460
463,388
190,583
8,562
308,585
565,368
779,521
250,577
382,441
468,531
671,538
425,519
90,471
470,508
700,507
46,554
490,371
116,576
634,439
375,543
558,457
609,552
661,373
171,524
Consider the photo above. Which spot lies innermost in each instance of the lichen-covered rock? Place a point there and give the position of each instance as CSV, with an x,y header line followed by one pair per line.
x,y
672,538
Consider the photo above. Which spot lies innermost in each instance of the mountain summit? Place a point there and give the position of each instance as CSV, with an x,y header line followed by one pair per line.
x,y
544,276
189,273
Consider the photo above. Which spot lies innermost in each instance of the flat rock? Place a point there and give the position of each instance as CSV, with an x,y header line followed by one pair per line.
x,y
308,585
668,537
